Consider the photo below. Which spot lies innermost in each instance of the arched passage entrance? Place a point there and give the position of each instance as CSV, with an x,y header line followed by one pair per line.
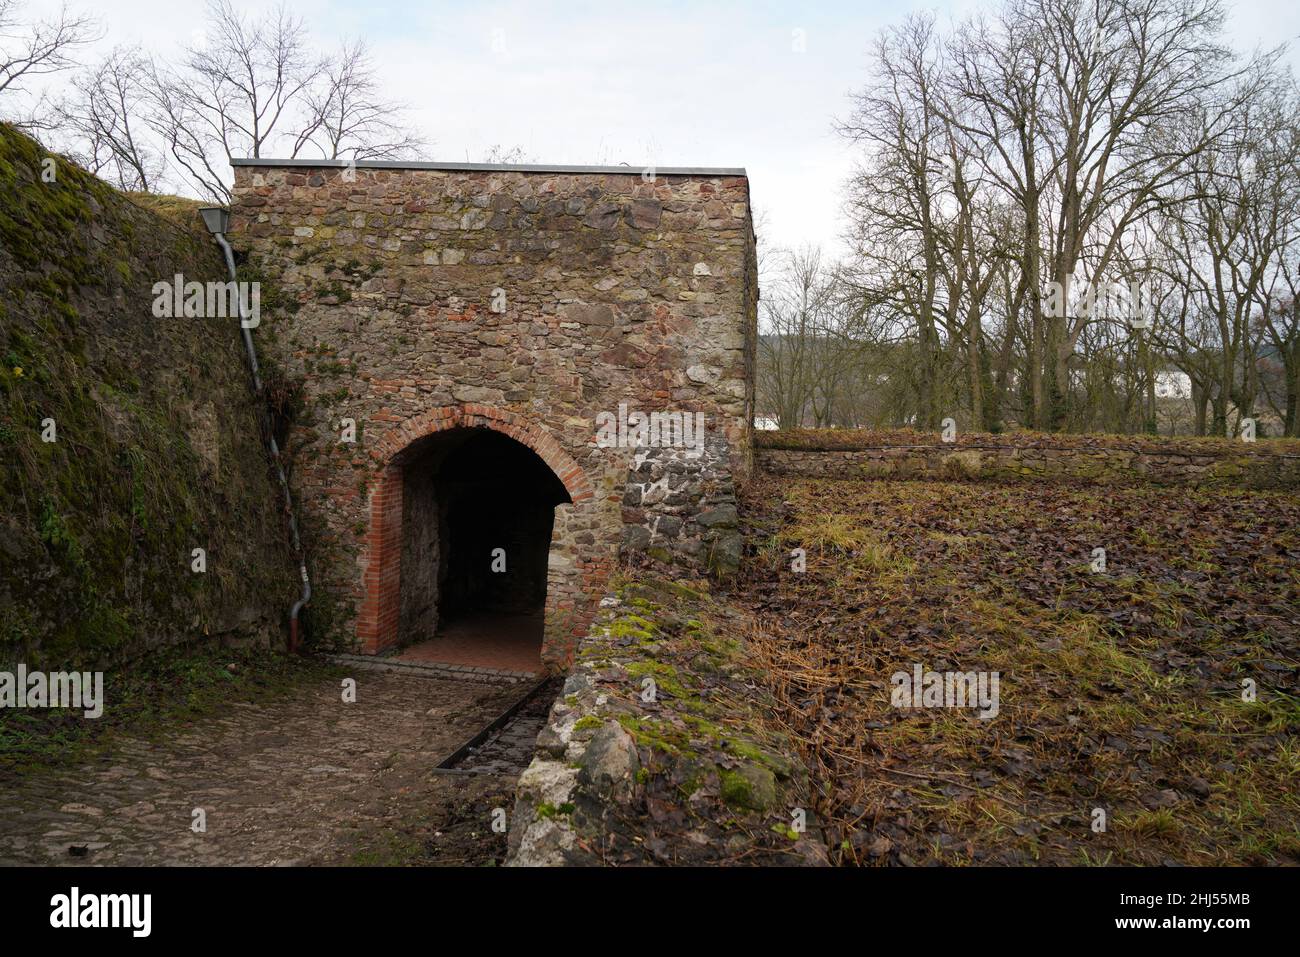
x,y
467,560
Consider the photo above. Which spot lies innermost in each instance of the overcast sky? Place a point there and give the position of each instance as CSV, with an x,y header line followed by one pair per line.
x,y
695,83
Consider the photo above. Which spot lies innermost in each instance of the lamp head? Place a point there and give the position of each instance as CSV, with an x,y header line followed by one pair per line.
x,y
216,218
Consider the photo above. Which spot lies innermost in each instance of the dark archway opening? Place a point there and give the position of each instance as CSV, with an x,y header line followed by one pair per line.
x,y
478,510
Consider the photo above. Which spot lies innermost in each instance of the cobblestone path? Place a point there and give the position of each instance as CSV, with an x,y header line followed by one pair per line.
x,y
301,779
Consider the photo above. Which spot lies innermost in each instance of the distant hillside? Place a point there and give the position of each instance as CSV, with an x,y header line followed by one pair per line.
x,y
157,448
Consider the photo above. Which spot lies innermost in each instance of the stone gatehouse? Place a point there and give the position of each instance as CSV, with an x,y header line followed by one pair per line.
x,y
479,351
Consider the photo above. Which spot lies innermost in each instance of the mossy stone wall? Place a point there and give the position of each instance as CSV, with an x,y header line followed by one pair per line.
x,y
158,446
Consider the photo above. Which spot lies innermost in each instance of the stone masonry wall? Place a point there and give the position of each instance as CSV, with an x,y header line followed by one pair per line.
x,y
412,300
1034,462
156,448
658,750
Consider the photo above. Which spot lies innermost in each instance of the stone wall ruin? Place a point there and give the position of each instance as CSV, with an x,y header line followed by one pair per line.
x,y
422,302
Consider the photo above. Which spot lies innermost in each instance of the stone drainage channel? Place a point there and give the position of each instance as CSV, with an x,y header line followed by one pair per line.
x,y
505,744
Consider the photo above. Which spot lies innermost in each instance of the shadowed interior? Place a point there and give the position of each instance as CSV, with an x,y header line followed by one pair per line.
x,y
478,509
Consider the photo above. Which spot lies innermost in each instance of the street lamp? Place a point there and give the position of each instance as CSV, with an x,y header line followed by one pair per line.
x,y
216,218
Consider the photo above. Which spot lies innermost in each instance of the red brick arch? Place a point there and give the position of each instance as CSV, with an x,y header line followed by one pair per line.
x,y
396,440
377,623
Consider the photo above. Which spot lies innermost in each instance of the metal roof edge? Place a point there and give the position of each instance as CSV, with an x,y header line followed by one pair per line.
x,y
493,167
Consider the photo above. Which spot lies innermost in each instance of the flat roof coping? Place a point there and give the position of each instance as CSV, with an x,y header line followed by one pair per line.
x,y
495,167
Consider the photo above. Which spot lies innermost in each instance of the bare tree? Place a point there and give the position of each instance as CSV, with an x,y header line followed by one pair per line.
x,y
1051,144
259,87
792,308
816,343
349,119
929,225
1087,128
498,153
104,118
1272,190
897,197
246,88
1227,242
36,49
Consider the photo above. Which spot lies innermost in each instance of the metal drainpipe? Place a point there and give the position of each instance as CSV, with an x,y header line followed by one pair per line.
x,y
275,453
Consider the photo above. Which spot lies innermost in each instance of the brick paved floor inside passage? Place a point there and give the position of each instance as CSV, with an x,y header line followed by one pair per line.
x,y
485,639
301,779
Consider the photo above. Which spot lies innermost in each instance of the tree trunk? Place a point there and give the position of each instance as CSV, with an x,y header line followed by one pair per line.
x,y
974,337
1199,403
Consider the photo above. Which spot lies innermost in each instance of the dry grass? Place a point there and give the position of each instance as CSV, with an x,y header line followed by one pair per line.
x,y
1119,690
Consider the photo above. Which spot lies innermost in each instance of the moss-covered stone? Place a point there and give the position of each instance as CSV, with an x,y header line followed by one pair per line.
x,y
749,786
